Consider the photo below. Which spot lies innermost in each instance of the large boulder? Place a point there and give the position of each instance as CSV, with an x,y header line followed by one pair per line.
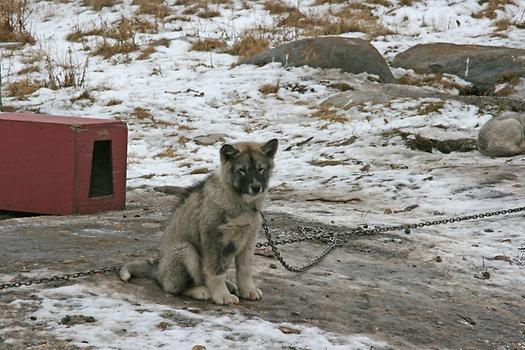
x,y
503,136
483,66
348,54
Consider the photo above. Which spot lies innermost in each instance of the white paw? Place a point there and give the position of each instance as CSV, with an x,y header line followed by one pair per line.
x,y
199,293
225,299
124,274
251,293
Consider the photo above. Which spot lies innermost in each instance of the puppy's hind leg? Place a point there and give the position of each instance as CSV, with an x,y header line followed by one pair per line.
x,y
172,274
192,261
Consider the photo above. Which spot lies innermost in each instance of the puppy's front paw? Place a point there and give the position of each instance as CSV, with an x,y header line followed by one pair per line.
x,y
225,299
251,293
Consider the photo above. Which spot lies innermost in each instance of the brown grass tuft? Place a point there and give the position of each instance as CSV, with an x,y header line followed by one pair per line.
x,y
248,45
146,52
277,7
85,95
157,8
330,115
270,88
29,69
114,102
209,44
492,7
22,88
141,113
430,107
14,21
209,14
97,5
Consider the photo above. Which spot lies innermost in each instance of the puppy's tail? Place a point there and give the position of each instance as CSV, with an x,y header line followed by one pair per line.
x,y
139,268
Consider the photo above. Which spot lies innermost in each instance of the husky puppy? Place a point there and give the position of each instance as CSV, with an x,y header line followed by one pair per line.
x,y
215,225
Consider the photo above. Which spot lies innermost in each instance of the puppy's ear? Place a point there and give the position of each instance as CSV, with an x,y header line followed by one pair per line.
x,y
228,152
270,148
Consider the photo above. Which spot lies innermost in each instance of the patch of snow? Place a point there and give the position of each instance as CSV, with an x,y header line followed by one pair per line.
x,y
126,324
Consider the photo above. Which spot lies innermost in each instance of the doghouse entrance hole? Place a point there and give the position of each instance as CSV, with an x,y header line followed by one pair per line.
x,y
101,183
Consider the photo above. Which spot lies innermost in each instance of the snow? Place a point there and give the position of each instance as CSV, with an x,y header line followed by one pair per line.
x,y
121,323
192,93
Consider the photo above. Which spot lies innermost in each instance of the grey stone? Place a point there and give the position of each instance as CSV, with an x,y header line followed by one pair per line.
x,y
349,54
503,136
210,139
483,66
364,91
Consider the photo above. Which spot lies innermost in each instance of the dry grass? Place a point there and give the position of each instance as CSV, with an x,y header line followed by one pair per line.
x,y
98,5
209,44
156,8
65,72
505,85
109,49
270,88
167,153
296,18
430,107
436,80
329,115
209,14
29,69
84,96
114,102
249,44
146,52
123,29
22,88
321,2
142,113
14,21
277,7
502,24
492,7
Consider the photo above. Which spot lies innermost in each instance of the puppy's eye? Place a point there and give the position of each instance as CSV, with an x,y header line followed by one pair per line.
x,y
241,172
261,170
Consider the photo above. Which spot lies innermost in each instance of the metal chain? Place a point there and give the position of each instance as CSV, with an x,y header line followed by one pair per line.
x,y
336,239
332,238
63,277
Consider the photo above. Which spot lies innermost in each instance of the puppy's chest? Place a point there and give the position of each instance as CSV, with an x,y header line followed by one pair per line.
x,y
241,229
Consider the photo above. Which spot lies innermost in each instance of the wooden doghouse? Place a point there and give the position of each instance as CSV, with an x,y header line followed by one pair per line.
x,y
61,165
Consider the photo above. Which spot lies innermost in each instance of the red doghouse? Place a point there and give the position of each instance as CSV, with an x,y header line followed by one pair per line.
x,y
61,165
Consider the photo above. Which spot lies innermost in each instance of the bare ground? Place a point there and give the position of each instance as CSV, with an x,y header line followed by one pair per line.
x,y
378,286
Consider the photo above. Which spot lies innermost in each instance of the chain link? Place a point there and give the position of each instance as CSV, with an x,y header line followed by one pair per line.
x,y
335,239
63,277
332,238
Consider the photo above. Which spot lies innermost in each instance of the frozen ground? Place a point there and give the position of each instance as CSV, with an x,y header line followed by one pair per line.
x,y
329,179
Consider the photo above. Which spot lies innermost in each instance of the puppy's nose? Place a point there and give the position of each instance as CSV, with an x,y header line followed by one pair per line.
x,y
256,188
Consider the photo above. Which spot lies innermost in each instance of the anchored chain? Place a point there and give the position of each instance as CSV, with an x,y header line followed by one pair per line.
x,y
335,239
63,277
332,238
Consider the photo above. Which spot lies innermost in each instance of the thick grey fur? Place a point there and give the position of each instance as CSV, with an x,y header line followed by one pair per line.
x,y
215,225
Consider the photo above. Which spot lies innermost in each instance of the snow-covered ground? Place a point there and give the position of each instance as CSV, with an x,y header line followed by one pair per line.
x,y
190,93
121,323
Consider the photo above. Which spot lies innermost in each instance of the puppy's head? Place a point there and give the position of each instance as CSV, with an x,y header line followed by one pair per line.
x,y
247,166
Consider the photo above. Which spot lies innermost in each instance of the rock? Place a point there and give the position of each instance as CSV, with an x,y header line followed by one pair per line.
x,y
364,91
503,136
349,54
210,139
483,66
